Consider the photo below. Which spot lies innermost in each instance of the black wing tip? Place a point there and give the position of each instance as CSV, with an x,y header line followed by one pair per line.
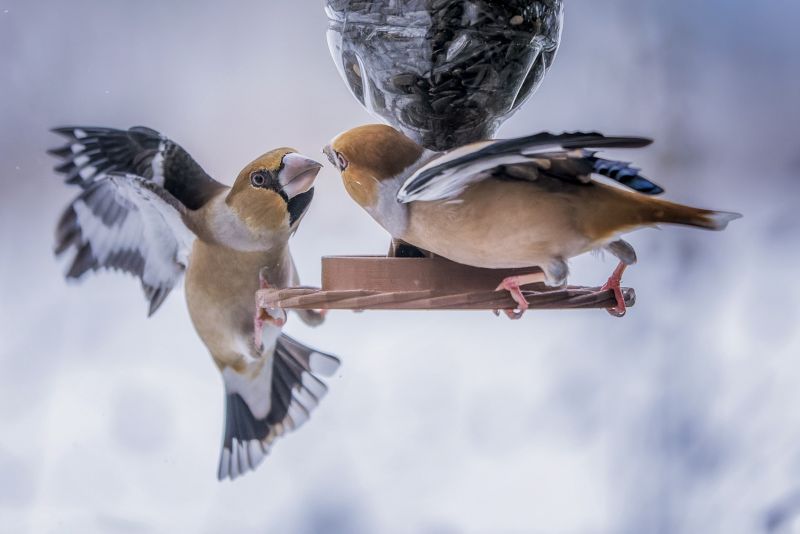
x,y
60,152
83,262
635,142
140,129
69,131
654,190
67,234
579,139
66,131
641,184
645,187
157,296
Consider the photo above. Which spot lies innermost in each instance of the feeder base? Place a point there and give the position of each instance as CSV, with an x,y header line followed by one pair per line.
x,y
381,283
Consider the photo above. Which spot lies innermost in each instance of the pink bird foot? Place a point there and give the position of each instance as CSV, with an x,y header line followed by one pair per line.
x,y
265,312
512,284
275,316
613,284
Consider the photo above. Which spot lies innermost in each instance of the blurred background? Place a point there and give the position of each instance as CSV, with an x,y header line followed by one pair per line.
x,y
680,418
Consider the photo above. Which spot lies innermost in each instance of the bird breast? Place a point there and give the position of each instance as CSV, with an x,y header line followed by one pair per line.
x,y
220,293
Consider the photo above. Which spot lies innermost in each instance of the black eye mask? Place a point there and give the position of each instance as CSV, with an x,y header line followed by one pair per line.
x,y
268,180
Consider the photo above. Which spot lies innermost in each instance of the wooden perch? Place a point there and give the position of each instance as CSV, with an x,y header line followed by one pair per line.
x,y
381,283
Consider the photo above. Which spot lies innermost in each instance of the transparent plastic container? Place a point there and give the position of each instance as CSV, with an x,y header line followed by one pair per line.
x,y
445,72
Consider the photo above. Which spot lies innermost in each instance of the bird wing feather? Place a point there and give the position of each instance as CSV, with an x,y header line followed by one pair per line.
x,y
93,152
137,186
129,223
565,157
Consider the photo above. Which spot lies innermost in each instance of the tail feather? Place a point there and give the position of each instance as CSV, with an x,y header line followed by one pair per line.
x,y
671,213
718,220
265,404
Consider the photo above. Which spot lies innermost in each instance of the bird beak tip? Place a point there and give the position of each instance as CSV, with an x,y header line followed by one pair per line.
x,y
298,173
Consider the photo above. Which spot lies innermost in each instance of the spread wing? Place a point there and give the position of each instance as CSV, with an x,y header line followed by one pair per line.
x,y
137,186
128,223
565,157
91,153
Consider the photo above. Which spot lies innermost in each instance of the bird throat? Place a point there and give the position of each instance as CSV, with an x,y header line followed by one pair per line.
x,y
386,210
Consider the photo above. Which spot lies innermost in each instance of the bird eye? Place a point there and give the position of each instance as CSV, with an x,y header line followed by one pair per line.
x,y
341,162
257,179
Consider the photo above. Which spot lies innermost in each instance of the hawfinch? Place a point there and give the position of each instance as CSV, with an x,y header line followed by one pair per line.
x,y
508,203
148,209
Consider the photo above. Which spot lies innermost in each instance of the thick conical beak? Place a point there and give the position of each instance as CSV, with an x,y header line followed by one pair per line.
x,y
297,174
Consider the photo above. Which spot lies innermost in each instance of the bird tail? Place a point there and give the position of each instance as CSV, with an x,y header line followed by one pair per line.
x,y
662,211
273,396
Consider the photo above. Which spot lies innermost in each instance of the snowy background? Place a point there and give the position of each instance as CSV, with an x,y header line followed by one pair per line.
x,y
681,418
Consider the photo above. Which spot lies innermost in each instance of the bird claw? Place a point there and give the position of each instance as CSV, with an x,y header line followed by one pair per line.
x,y
265,312
613,284
512,285
514,315
276,316
616,311
511,314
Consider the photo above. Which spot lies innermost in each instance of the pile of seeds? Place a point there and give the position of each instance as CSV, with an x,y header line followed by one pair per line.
x,y
446,72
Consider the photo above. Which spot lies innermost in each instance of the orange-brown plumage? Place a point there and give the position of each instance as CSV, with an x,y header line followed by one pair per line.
x,y
259,208
148,208
369,163
509,203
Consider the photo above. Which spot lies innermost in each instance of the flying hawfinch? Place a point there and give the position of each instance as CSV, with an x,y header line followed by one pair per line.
x,y
508,203
148,209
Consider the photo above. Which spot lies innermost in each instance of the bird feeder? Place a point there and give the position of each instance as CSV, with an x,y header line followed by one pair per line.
x,y
445,73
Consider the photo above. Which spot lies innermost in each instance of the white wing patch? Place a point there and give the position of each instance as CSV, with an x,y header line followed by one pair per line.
x,y
124,221
157,165
451,180
447,176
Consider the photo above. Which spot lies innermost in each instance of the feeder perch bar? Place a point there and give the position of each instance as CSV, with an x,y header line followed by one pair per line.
x,y
386,283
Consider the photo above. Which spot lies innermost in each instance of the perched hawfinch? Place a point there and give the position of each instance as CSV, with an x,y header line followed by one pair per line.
x,y
148,209
508,203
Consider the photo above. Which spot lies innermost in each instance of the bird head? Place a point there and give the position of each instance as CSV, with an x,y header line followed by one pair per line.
x,y
274,191
367,155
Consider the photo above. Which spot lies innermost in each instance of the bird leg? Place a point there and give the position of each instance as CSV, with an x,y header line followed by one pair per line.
x,y
265,313
401,249
613,284
512,284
